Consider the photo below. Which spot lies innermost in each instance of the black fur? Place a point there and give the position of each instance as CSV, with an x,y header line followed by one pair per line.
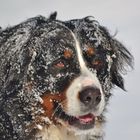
x,y
27,57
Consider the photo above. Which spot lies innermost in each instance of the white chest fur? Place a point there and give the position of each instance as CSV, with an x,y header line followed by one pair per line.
x,y
56,133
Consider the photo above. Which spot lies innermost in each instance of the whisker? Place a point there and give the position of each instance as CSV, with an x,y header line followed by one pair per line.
x,y
59,111
56,110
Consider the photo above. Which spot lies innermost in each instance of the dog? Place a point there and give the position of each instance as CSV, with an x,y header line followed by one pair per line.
x,y
56,78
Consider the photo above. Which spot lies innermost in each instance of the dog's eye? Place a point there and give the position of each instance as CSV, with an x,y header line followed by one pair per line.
x,y
59,64
97,64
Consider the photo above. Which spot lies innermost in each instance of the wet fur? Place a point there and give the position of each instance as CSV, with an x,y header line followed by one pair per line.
x,y
19,110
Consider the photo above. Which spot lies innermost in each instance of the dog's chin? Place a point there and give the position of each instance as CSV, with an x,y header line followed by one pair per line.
x,y
84,122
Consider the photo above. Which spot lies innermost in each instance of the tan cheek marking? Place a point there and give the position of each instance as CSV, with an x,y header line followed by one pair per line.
x,y
90,51
48,103
68,53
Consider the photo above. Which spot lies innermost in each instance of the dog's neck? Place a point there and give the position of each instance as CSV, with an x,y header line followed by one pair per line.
x,y
55,132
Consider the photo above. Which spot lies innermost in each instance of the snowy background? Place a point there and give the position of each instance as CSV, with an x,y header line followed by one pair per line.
x,y
122,15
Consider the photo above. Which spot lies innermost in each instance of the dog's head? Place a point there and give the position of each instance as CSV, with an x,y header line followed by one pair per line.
x,y
71,65
76,64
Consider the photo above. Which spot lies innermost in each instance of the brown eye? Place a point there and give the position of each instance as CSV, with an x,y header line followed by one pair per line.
x,y
59,65
97,63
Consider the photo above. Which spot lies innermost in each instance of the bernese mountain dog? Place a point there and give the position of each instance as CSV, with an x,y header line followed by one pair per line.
x,y
56,78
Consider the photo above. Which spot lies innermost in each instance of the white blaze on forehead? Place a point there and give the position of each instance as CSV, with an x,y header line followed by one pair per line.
x,y
86,78
79,52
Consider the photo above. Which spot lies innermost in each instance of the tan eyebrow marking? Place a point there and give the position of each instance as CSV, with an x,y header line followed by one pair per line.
x,y
68,53
90,51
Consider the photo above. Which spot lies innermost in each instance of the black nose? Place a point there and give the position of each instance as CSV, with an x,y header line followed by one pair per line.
x,y
90,96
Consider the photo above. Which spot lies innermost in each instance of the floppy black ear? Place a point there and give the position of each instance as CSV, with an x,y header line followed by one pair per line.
x,y
123,59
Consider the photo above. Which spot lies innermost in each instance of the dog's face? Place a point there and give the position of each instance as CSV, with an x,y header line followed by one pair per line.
x,y
74,69
63,71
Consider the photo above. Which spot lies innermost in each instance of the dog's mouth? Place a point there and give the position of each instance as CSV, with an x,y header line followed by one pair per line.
x,y
84,122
